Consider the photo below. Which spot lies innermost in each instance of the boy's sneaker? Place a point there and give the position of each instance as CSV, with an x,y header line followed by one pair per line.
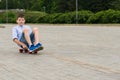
x,y
39,46
32,48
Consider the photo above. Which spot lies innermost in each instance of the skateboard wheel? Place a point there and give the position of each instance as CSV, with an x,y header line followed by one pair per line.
x,y
35,52
30,52
26,51
21,50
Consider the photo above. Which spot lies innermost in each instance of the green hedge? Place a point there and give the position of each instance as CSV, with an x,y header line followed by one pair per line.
x,y
11,17
108,16
34,17
31,17
70,17
83,16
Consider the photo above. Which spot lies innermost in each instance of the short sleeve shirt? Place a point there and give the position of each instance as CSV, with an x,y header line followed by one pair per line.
x,y
17,31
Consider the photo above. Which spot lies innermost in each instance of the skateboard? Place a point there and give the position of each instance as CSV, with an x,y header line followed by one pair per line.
x,y
27,51
33,52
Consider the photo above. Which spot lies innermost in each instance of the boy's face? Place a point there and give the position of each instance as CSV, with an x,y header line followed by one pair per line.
x,y
20,21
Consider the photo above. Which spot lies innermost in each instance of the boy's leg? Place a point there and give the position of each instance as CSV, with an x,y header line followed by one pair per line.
x,y
23,40
28,40
27,36
36,35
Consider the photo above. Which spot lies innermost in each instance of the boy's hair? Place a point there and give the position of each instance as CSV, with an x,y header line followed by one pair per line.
x,y
20,15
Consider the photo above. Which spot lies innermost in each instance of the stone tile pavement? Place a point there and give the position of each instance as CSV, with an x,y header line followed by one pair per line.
x,y
72,52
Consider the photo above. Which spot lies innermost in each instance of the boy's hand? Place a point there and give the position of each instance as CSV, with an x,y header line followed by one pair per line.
x,y
24,46
20,43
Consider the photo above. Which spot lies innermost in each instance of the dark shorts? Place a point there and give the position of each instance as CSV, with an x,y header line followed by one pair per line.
x,y
22,39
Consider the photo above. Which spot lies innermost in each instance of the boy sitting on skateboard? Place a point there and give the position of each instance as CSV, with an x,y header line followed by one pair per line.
x,y
24,36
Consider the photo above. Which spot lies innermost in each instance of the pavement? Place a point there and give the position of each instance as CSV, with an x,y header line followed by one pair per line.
x,y
71,52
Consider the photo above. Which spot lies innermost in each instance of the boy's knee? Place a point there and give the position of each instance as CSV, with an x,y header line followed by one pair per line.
x,y
35,29
25,30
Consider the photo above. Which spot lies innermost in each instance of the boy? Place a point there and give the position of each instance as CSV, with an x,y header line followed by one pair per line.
x,y
24,36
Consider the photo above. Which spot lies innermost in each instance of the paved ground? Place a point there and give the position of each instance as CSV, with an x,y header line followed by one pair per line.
x,y
71,53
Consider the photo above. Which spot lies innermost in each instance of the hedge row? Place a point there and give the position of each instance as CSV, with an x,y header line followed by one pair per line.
x,y
10,17
108,16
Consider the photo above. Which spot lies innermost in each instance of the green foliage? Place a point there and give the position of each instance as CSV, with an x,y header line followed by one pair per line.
x,y
53,18
2,18
11,17
66,18
70,17
111,16
83,16
61,6
34,17
108,16
96,18
42,18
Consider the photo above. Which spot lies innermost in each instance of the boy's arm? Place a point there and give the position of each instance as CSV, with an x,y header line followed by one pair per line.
x,y
15,38
20,43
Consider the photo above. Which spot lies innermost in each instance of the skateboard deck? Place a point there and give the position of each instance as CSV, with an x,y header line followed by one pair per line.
x,y
33,52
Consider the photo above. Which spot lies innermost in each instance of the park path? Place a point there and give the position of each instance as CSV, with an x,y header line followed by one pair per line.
x,y
71,53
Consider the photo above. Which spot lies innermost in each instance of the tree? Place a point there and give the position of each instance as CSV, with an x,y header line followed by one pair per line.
x,y
115,5
96,5
61,6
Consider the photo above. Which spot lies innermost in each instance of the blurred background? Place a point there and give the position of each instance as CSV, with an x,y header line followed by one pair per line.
x,y
61,11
